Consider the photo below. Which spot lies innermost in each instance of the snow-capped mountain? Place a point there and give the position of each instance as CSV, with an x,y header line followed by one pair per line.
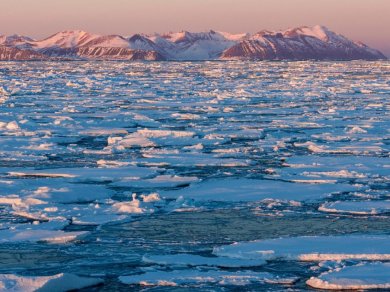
x,y
15,41
140,42
65,40
118,54
107,41
196,46
300,43
13,53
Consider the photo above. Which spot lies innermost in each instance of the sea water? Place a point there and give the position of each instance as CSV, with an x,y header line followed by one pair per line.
x,y
144,174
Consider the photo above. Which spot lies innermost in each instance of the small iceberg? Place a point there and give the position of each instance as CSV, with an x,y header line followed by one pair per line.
x,y
360,277
58,283
311,248
183,277
356,207
196,260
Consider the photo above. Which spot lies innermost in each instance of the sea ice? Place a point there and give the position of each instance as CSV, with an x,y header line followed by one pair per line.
x,y
311,248
132,207
337,166
357,207
58,283
242,189
53,191
360,277
188,159
219,139
161,181
36,235
182,277
83,174
195,260
130,141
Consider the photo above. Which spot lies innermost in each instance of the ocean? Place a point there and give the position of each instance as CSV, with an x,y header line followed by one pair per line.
x,y
141,175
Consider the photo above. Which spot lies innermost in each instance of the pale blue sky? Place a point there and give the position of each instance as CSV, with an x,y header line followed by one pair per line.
x,y
365,20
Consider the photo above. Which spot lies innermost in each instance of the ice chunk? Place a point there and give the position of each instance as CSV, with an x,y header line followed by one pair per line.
x,y
188,159
104,132
10,126
15,201
86,218
60,283
187,116
161,181
355,130
233,189
84,173
130,141
180,277
164,133
49,236
132,207
363,147
80,214
356,207
359,277
339,174
195,260
71,193
332,166
153,197
311,248
41,174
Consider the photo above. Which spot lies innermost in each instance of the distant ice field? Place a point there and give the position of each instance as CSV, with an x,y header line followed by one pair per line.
x,y
207,175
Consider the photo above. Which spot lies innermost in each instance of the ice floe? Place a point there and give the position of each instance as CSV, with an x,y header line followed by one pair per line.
x,y
183,277
129,141
53,191
60,282
161,181
132,207
37,235
203,146
84,174
359,277
357,207
188,159
195,260
311,248
256,190
337,168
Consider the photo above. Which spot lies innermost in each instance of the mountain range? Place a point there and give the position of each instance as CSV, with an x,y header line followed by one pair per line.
x,y
302,43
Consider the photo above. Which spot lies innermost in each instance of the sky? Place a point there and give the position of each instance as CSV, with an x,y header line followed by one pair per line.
x,y
360,20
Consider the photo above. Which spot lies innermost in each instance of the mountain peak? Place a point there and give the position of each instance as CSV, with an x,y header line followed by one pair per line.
x,y
67,39
15,40
136,37
300,43
72,32
318,31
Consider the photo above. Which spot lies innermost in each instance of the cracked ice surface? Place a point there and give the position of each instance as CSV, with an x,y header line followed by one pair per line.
x,y
134,170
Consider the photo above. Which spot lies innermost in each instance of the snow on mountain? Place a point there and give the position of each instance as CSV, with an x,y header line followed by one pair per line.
x,y
16,41
140,42
109,41
234,37
317,31
196,46
66,39
13,53
302,43
105,53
